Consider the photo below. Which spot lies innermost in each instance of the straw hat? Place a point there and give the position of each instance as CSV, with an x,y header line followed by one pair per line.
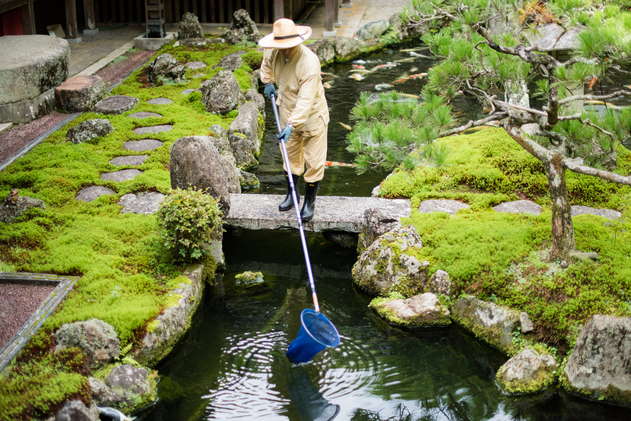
x,y
285,35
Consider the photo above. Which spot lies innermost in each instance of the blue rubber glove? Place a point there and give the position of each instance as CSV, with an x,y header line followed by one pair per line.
x,y
284,135
269,90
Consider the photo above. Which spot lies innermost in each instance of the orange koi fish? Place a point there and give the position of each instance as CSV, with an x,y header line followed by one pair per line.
x,y
338,164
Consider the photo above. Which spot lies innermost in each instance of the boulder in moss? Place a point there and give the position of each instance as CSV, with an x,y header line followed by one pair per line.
x,y
189,27
249,279
440,283
248,180
77,411
600,364
9,211
222,93
372,30
242,29
346,48
527,372
375,223
392,263
423,310
488,321
166,69
97,339
135,388
324,50
89,129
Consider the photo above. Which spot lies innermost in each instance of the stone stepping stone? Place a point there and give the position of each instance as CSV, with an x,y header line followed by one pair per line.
x,y
195,65
122,175
160,101
143,114
90,193
198,75
129,160
142,145
80,93
153,129
605,213
142,203
117,104
189,91
442,205
519,206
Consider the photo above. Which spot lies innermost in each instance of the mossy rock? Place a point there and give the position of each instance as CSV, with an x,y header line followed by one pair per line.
x,y
249,279
423,310
527,372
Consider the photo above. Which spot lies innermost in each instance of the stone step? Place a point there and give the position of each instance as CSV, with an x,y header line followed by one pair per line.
x,y
88,194
144,114
80,93
160,101
153,129
142,145
122,175
332,213
117,104
142,203
120,161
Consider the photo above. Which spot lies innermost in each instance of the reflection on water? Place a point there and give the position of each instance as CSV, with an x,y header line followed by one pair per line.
x,y
231,365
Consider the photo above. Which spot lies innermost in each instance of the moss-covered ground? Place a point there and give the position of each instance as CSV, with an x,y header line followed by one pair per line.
x,y
125,270
503,257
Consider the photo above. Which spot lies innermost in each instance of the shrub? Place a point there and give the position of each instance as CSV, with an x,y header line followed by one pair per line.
x,y
188,220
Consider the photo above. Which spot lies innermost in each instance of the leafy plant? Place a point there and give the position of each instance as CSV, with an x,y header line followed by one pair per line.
x,y
188,220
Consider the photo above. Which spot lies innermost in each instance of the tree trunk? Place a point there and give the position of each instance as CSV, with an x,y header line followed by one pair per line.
x,y
562,229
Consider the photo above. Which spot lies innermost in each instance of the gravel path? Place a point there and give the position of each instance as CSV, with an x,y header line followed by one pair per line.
x,y
383,9
17,303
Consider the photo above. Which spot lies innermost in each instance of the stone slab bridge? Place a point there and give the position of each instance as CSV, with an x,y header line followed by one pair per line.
x,y
333,213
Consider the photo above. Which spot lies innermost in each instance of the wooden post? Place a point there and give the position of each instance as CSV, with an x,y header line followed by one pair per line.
x,y
88,13
72,29
203,17
28,19
346,1
279,9
336,8
329,14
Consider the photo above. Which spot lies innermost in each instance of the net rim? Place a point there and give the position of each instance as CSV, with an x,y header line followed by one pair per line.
x,y
313,312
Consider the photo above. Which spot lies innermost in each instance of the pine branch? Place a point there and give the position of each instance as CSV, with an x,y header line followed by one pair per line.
x,y
587,122
471,123
577,166
591,97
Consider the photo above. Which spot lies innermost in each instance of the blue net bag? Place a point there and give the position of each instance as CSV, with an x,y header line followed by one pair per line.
x,y
316,334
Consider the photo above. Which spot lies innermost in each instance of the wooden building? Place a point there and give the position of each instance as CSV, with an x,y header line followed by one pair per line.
x,y
33,16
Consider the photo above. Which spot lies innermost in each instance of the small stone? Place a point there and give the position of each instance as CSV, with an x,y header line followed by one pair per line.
x,y
218,131
80,93
117,104
249,279
141,203
77,411
97,339
153,129
122,175
102,395
440,283
195,65
89,129
247,179
165,69
9,212
605,213
231,62
341,238
133,387
525,322
526,372
375,223
142,145
189,91
258,99
518,206
160,101
143,114
419,310
448,206
90,193
129,160
372,30
198,75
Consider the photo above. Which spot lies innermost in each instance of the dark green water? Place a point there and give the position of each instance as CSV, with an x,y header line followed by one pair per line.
x,y
232,364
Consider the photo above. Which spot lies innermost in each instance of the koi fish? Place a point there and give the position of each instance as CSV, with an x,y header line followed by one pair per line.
x,y
327,85
359,62
357,76
327,74
360,71
493,123
384,66
592,82
413,54
346,126
408,95
405,60
407,50
383,86
414,69
406,77
357,66
338,164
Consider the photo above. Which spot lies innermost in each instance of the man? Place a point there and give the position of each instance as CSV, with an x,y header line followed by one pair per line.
x,y
303,110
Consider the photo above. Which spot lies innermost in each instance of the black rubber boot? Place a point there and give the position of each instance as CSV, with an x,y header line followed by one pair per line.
x,y
287,204
308,207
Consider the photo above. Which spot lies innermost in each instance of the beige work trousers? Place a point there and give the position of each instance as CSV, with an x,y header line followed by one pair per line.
x,y
308,148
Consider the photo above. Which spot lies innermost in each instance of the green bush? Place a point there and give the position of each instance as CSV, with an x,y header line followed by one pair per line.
x,y
188,219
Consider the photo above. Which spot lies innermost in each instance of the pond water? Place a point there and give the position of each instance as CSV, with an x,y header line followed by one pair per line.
x,y
232,364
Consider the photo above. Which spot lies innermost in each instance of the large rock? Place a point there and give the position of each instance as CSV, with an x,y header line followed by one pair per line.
x,y
220,140
323,49
488,321
96,339
9,212
80,93
527,372
169,327
196,162
242,29
391,263
346,48
231,62
222,93
248,181
31,67
376,223
372,30
77,411
258,99
421,310
165,69
189,28
440,283
134,388
89,129
600,364
102,395
245,134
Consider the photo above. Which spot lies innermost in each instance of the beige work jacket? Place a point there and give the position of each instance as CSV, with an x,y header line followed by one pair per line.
x,y
301,98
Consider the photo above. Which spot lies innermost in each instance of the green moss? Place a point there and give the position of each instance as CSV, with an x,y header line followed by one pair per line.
x,y
545,377
152,326
243,77
611,394
253,59
378,304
